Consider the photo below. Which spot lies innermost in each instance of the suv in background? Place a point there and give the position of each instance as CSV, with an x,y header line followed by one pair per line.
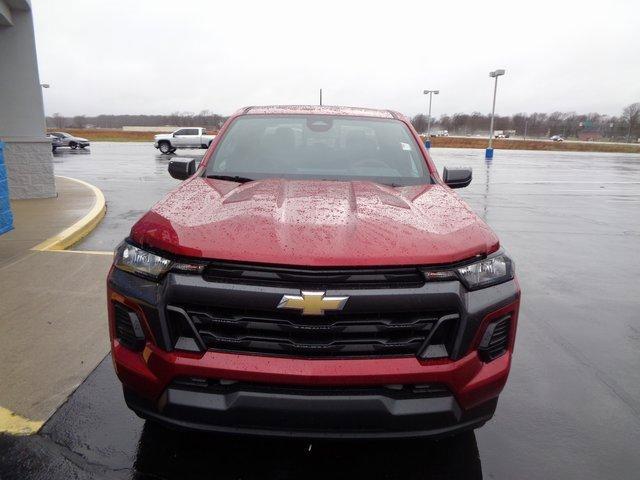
x,y
314,276
183,138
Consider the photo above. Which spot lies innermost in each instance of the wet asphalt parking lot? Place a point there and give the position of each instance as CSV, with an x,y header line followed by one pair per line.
x,y
571,408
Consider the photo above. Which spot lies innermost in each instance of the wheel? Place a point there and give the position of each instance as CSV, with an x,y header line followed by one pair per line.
x,y
73,145
53,149
165,147
173,149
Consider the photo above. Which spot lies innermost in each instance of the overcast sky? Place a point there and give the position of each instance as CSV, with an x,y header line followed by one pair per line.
x,y
160,56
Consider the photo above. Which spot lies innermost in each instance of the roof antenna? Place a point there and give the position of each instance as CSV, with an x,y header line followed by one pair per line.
x,y
320,97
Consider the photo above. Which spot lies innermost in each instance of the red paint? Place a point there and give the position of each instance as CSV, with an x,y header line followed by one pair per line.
x,y
316,223
471,380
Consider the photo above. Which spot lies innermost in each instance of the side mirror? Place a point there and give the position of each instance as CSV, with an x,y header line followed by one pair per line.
x,y
173,135
182,168
457,177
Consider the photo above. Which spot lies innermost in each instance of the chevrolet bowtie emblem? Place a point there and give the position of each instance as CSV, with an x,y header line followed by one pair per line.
x,y
312,303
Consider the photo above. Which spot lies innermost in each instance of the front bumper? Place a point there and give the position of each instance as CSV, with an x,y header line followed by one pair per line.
x,y
265,407
314,414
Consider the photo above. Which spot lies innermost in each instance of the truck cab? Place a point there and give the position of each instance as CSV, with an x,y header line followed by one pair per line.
x,y
187,137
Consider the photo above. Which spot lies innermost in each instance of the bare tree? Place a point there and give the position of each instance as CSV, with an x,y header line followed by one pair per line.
x,y
58,120
79,121
420,123
631,115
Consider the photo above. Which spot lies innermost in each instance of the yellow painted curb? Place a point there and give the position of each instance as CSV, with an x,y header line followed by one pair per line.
x,y
15,424
82,227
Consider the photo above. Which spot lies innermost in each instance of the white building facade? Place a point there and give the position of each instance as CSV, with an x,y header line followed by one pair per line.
x,y
27,151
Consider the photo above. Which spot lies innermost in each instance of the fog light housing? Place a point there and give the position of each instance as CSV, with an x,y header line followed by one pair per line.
x,y
128,329
495,340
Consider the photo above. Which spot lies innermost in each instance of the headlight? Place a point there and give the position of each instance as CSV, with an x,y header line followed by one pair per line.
x,y
135,260
490,271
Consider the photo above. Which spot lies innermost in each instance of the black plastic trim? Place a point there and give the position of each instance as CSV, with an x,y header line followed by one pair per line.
x,y
311,416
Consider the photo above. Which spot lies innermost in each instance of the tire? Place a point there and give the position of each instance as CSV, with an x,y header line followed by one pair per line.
x,y
53,149
165,147
73,145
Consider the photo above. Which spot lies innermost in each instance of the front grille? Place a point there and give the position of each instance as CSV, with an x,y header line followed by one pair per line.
x,y
335,334
407,277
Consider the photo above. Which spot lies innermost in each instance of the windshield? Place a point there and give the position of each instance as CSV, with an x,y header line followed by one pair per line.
x,y
319,147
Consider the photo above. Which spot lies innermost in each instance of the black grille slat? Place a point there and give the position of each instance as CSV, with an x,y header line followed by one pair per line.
x,y
283,347
335,334
317,278
344,328
318,344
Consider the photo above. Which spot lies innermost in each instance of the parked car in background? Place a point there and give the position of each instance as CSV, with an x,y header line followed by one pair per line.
x,y
441,133
557,138
183,138
503,133
63,139
314,276
55,141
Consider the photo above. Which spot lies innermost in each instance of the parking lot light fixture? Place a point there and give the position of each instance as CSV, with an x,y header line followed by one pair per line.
x,y
427,142
495,74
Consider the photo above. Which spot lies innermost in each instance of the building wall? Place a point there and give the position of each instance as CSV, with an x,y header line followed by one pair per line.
x,y
28,156
29,169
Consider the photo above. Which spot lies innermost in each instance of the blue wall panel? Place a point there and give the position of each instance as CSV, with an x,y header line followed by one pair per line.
x,y
6,217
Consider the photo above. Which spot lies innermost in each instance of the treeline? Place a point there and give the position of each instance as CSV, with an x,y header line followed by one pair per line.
x,y
205,119
625,127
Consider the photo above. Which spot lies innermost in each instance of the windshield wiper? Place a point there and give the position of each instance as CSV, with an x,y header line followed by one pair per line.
x,y
231,178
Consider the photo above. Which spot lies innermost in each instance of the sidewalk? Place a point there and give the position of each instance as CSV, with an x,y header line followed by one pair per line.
x,y
53,325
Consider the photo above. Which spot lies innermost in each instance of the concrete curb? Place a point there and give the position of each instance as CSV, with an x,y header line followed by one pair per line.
x,y
82,227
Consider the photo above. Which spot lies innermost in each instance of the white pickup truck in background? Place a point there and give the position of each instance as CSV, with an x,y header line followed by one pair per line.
x,y
188,137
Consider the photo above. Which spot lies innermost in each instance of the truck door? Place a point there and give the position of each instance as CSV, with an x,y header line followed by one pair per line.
x,y
180,138
192,138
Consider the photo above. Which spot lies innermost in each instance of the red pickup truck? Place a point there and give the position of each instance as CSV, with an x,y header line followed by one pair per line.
x,y
313,276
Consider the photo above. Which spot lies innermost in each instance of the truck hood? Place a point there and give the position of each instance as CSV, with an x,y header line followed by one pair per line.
x,y
315,223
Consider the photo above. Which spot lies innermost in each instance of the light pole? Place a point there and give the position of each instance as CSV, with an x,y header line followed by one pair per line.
x,y
495,74
427,142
